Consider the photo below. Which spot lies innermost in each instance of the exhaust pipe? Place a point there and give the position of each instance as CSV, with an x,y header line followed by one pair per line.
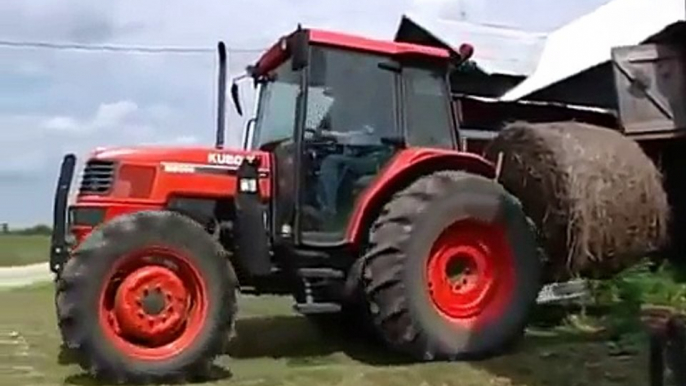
x,y
221,102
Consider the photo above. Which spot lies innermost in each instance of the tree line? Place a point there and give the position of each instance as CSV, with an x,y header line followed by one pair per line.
x,y
36,230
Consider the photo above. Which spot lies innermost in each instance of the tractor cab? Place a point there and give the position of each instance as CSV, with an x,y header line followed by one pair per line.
x,y
333,110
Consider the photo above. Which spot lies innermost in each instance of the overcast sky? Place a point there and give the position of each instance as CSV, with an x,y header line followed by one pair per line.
x,y
56,101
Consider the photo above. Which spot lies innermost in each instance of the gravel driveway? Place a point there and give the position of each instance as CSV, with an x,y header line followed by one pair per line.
x,y
24,275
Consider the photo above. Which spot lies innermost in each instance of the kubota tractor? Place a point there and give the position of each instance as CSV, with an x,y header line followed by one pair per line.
x,y
350,193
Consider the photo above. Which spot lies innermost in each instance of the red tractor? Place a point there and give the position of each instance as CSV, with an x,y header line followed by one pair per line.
x,y
350,192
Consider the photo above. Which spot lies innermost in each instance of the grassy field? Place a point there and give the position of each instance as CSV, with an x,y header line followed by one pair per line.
x,y
276,347
21,250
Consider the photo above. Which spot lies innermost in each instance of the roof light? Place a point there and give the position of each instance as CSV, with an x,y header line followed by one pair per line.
x,y
466,51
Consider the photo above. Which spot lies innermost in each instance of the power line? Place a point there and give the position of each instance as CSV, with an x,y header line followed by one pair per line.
x,y
119,48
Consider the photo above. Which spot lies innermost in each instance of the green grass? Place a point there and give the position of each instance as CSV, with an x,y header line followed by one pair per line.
x,y
276,347
21,250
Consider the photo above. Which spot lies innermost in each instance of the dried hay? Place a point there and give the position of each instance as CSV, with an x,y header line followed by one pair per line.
x,y
596,198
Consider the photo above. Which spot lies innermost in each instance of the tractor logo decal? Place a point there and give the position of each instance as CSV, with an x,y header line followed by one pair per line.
x,y
228,159
176,167
222,169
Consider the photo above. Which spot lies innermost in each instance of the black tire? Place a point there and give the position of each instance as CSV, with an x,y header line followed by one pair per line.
x,y
401,239
81,284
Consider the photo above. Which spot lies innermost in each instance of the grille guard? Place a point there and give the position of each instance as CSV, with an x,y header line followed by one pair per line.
x,y
58,243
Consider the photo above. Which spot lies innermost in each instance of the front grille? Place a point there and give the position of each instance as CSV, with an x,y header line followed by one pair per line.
x,y
97,177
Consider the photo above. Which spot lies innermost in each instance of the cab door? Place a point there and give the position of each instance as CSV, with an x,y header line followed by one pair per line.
x,y
350,115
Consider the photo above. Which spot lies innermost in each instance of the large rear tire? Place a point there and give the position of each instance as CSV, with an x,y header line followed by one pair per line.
x,y
453,268
147,297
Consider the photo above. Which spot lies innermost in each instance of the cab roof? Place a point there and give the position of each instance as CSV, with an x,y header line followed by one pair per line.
x,y
278,53
358,43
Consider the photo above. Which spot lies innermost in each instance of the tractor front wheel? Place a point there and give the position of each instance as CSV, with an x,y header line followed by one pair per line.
x,y
147,297
453,268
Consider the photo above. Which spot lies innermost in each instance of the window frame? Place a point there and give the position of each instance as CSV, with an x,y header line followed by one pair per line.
x,y
406,100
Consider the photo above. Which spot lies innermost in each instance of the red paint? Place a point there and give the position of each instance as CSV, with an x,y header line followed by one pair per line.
x,y
156,154
134,181
150,337
155,185
112,208
141,283
272,58
470,274
278,54
404,165
354,42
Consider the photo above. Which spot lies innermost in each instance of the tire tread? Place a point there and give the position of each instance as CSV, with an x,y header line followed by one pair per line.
x,y
72,281
384,262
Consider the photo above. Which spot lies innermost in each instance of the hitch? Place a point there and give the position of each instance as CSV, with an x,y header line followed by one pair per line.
x,y
58,243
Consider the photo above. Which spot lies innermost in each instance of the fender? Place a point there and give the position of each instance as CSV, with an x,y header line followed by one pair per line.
x,y
404,167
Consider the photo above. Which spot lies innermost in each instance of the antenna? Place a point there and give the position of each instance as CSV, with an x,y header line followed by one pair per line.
x,y
221,98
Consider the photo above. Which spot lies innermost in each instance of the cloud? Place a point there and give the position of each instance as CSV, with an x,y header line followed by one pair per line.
x,y
62,124
35,142
69,20
33,147
450,9
108,116
534,15
115,114
181,140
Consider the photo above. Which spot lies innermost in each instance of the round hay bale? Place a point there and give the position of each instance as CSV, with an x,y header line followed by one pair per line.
x,y
596,198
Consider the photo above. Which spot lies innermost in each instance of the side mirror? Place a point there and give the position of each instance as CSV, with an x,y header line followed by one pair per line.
x,y
299,48
463,54
235,97
466,51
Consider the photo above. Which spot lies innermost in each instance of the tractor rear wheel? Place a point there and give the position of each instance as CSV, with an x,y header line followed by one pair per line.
x,y
147,297
453,268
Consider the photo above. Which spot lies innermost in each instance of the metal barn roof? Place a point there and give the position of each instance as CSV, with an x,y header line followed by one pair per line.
x,y
497,49
587,41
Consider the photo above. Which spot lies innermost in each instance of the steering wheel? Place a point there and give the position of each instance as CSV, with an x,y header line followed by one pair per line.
x,y
316,138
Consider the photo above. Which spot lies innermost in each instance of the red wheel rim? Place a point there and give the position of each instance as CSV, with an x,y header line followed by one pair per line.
x,y
470,275
153,304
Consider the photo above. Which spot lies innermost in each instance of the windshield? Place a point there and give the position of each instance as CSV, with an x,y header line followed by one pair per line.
x,y
347,93
276,107
428,113
350,93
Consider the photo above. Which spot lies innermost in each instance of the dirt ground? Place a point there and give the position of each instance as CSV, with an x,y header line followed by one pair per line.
x,y
277,347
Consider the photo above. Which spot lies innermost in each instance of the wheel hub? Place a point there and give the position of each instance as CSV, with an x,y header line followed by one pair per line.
x,y
151,304
466,270
462,273
459,282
